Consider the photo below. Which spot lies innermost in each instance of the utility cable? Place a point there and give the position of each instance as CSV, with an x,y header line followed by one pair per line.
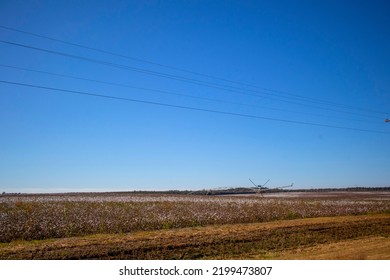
x,y
188,107
178,78
177,94
188,71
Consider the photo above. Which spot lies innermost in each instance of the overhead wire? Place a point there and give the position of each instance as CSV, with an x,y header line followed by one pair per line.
x,y
176,93
174,77
188,71
52,89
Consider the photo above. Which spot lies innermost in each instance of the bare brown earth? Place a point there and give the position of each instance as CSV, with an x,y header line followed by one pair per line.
x,y
345,237
369,248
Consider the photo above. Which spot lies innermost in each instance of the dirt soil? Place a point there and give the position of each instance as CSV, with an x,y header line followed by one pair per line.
x,y
347,237
370,248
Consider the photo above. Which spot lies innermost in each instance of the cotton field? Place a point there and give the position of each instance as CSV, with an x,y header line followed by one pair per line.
x,y
29,217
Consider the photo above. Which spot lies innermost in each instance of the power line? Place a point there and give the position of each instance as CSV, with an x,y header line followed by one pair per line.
x,y
188,107
175,93
309,99
178,78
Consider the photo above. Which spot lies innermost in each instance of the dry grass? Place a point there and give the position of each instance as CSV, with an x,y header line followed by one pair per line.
x,y
129,226
276,239
368,248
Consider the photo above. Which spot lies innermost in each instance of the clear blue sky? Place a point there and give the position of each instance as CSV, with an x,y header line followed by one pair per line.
x,y
309,53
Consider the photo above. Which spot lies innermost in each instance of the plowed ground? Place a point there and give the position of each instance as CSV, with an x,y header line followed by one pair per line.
x,y
348,237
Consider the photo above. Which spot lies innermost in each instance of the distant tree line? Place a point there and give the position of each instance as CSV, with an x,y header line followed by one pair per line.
x,y
227,191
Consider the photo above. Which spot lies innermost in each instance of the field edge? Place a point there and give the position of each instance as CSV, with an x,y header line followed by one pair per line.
x,y
282,239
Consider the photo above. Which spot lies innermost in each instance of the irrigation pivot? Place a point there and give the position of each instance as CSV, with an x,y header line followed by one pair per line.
x,y
260,189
